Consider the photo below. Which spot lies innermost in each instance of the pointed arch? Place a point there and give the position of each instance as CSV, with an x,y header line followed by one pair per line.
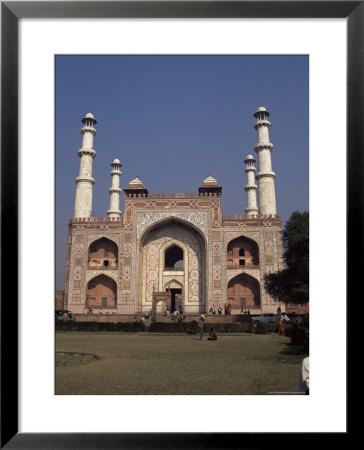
x,y
154,244
103,254
242,252
173,284
243,291
173,257
101,292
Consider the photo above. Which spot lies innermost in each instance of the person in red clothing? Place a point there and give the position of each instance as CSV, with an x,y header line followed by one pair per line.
x,y
280,328
212,335
229,309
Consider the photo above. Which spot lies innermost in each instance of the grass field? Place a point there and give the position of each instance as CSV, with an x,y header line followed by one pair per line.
x,y
158,363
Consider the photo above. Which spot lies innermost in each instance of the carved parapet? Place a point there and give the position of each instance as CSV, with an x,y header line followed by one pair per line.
x,y
94,219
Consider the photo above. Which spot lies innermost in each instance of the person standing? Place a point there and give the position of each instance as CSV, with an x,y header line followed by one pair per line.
x,y
280,329
201,324
304,377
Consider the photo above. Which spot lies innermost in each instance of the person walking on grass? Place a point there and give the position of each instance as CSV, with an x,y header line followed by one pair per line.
x,y
201,324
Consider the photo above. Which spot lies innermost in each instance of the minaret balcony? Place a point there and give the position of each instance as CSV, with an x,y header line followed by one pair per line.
x,y
263,146
86,151
115,172
250,187
87,129
116,190
265,174
85,179
262,123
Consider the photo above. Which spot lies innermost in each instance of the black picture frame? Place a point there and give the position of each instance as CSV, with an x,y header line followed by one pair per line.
x,y
11,12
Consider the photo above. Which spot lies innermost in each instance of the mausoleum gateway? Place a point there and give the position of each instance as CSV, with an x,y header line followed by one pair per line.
x,y
176,249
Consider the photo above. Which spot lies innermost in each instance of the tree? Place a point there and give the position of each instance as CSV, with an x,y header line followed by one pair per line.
x,y
291,285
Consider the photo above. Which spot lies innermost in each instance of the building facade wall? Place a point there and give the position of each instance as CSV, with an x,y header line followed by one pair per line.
x,y
152,222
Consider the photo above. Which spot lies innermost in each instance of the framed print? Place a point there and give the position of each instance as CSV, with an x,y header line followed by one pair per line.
x,y
27,198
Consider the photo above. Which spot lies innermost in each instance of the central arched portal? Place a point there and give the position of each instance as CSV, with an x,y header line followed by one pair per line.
x,y
173,258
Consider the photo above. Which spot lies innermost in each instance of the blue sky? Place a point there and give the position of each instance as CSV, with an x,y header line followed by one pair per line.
x,y
172,120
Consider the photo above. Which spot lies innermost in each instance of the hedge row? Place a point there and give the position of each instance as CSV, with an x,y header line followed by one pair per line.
x,y
100,326
165,327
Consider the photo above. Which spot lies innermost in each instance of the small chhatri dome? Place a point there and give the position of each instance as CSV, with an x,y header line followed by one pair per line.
x,y
261,109
249,160
116,161
136,183
89,117
210,181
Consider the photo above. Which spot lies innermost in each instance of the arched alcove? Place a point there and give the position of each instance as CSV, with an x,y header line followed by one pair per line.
x,y
242,252
173,258
103,254
174,249
101,292
243,291
176,289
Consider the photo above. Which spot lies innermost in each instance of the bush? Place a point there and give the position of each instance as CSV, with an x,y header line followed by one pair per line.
x,y
299,335
165,327
262,328
130,327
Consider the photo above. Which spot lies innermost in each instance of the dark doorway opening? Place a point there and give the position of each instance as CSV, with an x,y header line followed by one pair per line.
x,y
176,299
174,258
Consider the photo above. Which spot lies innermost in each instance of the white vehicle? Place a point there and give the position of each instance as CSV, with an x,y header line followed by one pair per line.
x,y
266,318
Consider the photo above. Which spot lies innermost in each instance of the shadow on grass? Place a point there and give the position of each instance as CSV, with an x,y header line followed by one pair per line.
x,y
292,350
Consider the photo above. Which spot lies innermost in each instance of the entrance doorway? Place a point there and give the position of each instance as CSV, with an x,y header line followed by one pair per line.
x,y
176,300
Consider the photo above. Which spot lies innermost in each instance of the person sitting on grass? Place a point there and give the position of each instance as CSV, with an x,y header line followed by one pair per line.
x,y
212,335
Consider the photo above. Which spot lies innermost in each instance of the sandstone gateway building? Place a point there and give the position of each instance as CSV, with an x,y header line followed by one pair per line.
x,y
176,249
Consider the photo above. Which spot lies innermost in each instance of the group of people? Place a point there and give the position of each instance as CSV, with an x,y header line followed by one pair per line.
x,y
149,314
212,333
227,309
177,317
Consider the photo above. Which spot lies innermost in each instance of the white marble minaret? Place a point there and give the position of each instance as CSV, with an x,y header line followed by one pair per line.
x,y
250,187
265,175
115,191
84,181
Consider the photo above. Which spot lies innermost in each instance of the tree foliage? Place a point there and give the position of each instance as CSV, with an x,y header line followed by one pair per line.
x,y
291,285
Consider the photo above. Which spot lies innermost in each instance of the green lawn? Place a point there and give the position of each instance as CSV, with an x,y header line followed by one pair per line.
x,y
160,363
